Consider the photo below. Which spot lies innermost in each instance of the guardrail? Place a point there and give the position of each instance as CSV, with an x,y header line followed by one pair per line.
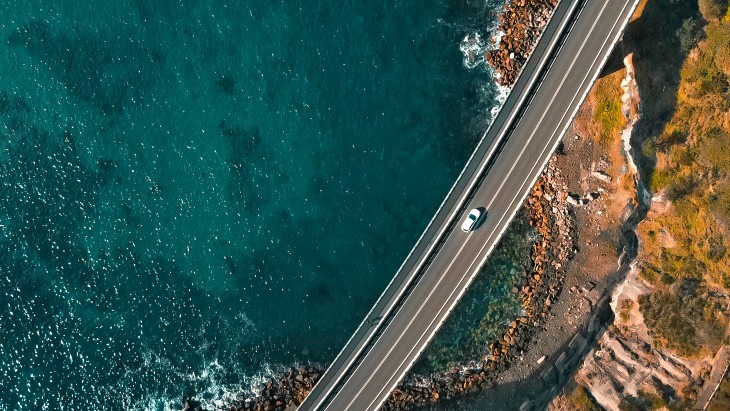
x,y
471,192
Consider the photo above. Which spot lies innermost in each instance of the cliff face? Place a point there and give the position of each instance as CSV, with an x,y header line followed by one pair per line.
x,y
668,344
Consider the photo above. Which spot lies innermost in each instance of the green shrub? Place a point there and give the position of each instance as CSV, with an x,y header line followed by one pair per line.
x,y
624,309
684,319
718,37
684,157
666,141
686,267
649,275
661,179
716,249
583,400
651,400
689,34
649,148
610,117
722,60
715,148
692,221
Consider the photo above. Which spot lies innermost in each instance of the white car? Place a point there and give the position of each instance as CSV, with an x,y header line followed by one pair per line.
x,y
471,220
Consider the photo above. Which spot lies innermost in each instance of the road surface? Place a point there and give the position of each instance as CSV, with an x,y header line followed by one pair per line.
x,y
504,167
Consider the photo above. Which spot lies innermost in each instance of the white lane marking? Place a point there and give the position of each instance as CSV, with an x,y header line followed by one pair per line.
x,y
575,58
433,290
462,247
470,184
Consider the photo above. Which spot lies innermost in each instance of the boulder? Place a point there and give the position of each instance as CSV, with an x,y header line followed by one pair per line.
x,y
601,175
573,199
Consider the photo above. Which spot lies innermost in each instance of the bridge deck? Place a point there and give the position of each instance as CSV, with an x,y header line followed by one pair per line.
x,y
498,176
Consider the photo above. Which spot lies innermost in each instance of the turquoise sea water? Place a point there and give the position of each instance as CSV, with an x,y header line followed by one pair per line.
x,y
192,193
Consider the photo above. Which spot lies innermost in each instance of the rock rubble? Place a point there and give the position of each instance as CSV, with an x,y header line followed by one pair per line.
x,y
521,23
555,245
286,391
554,226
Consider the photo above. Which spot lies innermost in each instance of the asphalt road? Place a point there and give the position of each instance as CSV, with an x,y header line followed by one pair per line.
x,y
498,177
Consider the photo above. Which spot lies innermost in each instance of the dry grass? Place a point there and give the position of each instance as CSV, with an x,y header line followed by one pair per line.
x,y
693,171
639,10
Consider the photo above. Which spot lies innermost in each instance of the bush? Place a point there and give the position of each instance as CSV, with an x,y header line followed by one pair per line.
x,y
722,60
681,187
720,203
715,148
716,249
684,157
719,38
649,148
624,309
608,114
649,275
684,319
689,34
661,179
583,400
651,401
713,9
686,267
666,141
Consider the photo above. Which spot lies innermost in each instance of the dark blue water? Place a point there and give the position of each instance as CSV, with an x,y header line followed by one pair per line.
x,y
193,193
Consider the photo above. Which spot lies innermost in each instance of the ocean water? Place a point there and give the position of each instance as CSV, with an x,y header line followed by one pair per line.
x,y
193,194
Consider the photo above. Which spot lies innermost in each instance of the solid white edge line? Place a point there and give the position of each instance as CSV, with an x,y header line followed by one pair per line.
x,y
616,39
492,236
403,332
470,185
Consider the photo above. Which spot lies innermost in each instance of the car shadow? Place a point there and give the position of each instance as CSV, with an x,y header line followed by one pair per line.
x,y
483,216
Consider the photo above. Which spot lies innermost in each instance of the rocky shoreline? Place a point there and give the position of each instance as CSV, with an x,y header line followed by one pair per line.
x,y
520,23
551,220
286,391
548,212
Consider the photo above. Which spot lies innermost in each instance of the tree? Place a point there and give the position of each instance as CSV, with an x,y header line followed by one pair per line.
x,y
713,9
689,34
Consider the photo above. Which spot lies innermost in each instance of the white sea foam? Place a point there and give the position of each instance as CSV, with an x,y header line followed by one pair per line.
x,y
216,394
502,93
474,50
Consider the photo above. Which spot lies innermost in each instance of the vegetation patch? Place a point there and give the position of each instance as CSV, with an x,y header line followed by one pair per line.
x,y
685,319
685,248
581,399
608,115
720,203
